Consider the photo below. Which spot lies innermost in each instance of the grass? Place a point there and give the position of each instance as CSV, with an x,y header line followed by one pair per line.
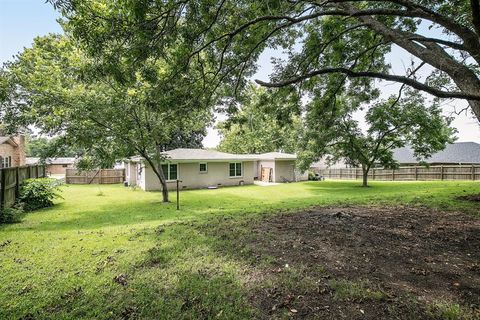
x,y
356,290
451,311
61,262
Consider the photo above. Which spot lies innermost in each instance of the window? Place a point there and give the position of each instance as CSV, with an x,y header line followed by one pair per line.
x,y
6,162
170,171
203,167
64,165
235,169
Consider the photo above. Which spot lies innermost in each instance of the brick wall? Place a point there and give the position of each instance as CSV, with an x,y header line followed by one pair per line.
x,y
20,153
17,153
58,168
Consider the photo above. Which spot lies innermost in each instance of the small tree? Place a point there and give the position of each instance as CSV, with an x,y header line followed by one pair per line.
x,y
110,114
393,123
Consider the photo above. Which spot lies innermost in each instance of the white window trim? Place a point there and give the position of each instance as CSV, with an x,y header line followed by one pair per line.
x,y
206,167
241,170
167,174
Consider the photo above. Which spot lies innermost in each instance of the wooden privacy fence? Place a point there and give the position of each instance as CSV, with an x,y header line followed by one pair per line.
x,y
446,172
11,180
100,176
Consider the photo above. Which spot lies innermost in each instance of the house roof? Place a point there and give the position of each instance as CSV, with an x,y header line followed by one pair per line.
x,y
60,160
460,152
183,154
274,156
4,139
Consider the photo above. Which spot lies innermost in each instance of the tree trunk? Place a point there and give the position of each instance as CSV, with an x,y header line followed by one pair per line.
x,y
161,174
465,79
365,176
157,169
163,182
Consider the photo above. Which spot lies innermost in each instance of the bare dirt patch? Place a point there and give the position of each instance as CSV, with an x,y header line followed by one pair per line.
x,y
364,263
470,197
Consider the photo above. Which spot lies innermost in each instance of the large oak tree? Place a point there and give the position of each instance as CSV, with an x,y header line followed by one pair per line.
x,y
323,37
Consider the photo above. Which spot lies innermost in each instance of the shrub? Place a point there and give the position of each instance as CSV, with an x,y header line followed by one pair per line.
x,y
11,215
311,175
39,193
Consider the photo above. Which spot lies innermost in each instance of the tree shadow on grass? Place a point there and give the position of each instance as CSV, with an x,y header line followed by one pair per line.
x,y
112,215
180,278
330,263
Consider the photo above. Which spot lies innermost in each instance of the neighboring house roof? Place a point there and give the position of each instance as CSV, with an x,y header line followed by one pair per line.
x,y
183,154
460,152
60,160
9,140
323,164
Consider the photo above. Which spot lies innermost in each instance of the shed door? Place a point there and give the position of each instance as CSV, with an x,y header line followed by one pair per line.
x,y
266,174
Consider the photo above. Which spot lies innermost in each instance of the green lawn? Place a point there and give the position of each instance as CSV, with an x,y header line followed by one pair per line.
x,y
61,262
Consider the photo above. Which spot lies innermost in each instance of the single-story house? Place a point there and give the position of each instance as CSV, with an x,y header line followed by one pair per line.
x,y
201,168
12,151
55,165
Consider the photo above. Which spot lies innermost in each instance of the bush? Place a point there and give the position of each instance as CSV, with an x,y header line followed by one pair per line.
x,y
11,215
311,175
39,193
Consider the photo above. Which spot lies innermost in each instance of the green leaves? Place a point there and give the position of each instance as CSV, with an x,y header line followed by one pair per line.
x,y
391,123
258,126
69,95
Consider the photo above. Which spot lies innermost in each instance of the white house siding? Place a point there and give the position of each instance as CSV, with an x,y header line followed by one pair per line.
x,y
131,173
266,164
284,169
189,173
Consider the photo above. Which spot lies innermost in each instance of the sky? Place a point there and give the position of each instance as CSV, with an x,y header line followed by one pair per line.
x,y
23,20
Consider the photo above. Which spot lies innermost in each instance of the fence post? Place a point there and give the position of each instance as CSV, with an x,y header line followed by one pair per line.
x,y
473,172
17,183
441,172
178,195
416,173
393,174
2,186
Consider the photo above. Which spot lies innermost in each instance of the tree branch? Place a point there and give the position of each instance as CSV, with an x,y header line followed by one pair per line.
x,y
475,5
357,74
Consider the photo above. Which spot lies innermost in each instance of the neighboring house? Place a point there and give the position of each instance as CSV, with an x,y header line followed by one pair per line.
x,y
55,165
200,168
460,153
456,153
12,151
